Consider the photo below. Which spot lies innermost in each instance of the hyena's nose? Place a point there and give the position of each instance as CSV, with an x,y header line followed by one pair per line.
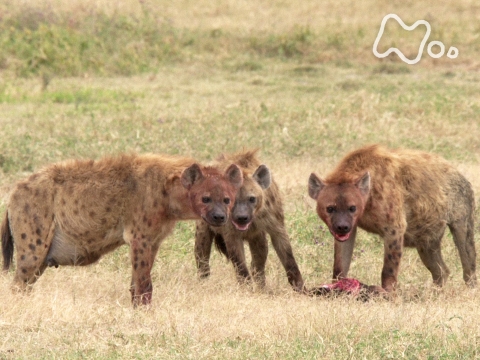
x,y
342,228
219,217
242,219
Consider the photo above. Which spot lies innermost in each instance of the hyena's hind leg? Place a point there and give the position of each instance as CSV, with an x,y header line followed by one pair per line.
x,y
430,252
33,238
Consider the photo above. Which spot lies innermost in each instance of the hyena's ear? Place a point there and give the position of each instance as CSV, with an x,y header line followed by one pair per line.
x,y
191,175
262,176
363,184
234,175
315,185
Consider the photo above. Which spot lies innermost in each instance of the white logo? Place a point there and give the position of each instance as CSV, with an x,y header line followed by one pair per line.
x,y
452,52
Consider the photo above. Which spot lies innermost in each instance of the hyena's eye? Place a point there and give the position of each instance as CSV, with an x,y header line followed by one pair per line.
x,y
330,209
206,199
252,199
352,209
226,201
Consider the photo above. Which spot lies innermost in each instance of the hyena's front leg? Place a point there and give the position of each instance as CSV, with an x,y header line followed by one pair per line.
x,y
236,254
259,249
143,249
142,255
393,248
283,248
203,246
343,252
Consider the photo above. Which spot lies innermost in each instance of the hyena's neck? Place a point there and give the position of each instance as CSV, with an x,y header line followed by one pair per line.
x,y
180,206
172,195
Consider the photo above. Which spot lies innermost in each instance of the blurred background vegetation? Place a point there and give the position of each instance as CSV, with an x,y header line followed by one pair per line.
x,y
49,37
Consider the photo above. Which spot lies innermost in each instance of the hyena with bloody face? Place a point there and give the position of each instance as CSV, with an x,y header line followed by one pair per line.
x,y
257,211
74,212
408,198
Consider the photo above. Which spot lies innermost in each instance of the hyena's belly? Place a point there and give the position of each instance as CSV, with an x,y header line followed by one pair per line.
x,y
422,232
85,249
409,240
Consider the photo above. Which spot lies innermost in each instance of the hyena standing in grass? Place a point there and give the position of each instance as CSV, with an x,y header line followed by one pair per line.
x,y
408,198
257,211
74,212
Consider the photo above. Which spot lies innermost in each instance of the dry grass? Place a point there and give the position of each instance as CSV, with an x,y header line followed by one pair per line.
x,y
76,313
305,112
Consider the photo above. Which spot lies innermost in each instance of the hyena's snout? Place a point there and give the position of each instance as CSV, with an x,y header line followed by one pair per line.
x,y
241,217
342,228
218,216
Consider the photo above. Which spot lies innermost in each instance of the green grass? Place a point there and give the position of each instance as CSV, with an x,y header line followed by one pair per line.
x,y
41,40
284,111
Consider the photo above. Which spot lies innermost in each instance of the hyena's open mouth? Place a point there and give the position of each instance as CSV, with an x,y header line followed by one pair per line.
x,y
241,227
341,237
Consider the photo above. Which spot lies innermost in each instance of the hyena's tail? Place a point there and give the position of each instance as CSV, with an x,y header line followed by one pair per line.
x,y
220,244
7,243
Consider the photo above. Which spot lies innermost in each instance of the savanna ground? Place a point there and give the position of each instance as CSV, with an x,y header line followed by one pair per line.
x,y
82,79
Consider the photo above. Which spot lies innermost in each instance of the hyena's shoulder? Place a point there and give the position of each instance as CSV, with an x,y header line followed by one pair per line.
x,y
376,159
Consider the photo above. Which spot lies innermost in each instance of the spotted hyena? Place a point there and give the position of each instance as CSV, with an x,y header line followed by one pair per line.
x,y
257,211
74,212
408,198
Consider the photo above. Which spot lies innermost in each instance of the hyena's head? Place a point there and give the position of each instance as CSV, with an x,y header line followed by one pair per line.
x,y
340,205
212,192
249,197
